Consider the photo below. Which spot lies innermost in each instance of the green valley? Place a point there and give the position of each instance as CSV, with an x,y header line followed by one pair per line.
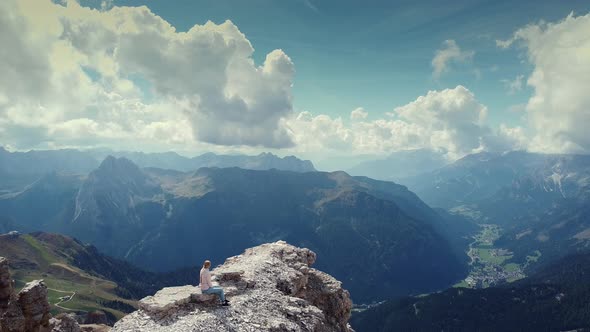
x,y
490,265
80,279
70,289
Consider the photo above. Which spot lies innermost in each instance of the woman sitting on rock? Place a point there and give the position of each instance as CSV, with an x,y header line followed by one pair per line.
x,y
206,285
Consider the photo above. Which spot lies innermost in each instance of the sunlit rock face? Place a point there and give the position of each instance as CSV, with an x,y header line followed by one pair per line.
x,y
271,287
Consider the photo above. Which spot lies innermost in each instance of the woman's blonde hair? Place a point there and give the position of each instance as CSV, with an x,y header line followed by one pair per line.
x,y
207,264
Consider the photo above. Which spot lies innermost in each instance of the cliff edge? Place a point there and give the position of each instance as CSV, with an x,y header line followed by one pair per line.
x,y
271,288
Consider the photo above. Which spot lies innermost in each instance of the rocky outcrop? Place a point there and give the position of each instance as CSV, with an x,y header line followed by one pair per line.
x,y
6,286
28,311
64,323
171,298
32,300
95,328
271,288
96,317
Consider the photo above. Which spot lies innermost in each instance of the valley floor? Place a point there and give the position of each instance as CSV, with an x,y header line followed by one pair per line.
x,y
489,264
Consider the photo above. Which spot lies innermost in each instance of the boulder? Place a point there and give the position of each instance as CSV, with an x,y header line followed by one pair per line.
x,y
32,300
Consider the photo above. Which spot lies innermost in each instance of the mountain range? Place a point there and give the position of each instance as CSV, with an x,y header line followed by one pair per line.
x,y
553,299
401,165
540,200
18,169
366,231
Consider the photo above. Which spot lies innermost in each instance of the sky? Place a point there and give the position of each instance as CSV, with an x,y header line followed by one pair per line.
x,y
320,79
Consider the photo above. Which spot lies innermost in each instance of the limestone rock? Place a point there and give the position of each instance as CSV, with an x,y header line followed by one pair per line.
x,y
171,298
6,285
28,311
64,323
95,328
96,317
12,318
32,300
271,288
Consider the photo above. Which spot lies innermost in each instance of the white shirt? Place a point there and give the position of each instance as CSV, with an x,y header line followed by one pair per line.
x,y
205,282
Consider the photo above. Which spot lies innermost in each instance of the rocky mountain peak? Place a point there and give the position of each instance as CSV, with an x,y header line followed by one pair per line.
x,y
122,165
271,288
120,174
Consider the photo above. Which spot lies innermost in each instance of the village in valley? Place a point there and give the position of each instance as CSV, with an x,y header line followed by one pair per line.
x,y
488,264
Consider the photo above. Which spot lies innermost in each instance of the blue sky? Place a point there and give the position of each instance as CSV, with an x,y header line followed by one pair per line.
x,y
320,79
377,54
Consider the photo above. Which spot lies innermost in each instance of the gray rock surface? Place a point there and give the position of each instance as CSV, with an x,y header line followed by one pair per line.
x,y
64,323
94,328
271,288
6,286
96,317
171,298
12,318
32,300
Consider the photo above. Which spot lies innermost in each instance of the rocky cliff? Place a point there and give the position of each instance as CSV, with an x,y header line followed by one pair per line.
x,y
29,310
271,288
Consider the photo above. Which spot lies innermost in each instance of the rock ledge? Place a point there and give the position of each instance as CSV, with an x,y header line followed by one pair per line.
x,y
271,288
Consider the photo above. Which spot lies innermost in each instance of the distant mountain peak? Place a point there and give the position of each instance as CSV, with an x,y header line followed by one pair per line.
x,y
113,164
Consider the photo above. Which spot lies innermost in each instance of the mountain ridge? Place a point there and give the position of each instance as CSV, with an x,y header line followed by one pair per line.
x,y
155,225
69,266
554,299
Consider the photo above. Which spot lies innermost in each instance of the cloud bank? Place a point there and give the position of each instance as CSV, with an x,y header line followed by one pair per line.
x,y
451,121
559,110
124,77
72,73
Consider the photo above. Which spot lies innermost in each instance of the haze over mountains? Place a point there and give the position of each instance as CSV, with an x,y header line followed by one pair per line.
x,y
554,299
166,219
540,204
540,200
22,168
400,165
366,232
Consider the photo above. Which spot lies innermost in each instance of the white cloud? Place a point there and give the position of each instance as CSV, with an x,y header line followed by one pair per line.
x,y
450,53
559,110
70,71
513,138
450,120
514,86
124,77
358,113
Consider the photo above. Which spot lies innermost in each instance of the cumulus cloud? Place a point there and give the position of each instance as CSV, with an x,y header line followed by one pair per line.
x,y
450,121
559,110
71,72
358,113
448,54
